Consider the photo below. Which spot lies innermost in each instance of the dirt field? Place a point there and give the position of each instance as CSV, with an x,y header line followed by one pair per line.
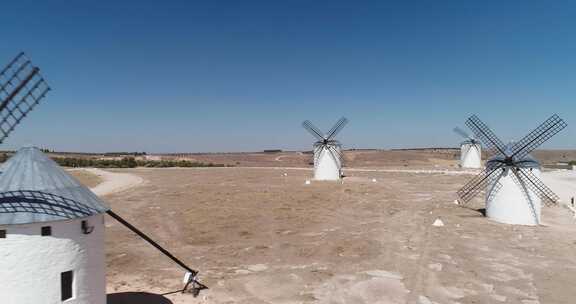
x,y
361,158
358,158
260,236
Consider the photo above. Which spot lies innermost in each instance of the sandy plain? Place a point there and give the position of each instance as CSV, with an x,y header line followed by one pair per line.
x,y
261,235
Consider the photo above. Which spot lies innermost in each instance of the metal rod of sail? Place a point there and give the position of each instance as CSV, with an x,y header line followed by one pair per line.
x,y
153,243
313,130
482,132
9,65
15,76
19,88
476,184
534,139
337,128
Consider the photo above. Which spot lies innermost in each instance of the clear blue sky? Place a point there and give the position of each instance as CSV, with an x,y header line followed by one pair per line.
x,y
165,76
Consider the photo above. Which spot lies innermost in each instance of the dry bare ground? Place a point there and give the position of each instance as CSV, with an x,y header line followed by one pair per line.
x,y
263,236
87,178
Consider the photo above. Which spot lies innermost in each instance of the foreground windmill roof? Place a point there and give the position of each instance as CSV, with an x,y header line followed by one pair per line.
x,y
33,188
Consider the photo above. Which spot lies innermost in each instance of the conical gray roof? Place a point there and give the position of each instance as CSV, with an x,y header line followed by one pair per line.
x,y
34,188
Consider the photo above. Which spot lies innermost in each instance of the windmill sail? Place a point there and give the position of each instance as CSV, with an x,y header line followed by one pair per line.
x,y
486,136
22,87
534,139
514,163
462,133
327,146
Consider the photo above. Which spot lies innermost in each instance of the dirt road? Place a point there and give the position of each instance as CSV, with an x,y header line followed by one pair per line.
x,y
113,182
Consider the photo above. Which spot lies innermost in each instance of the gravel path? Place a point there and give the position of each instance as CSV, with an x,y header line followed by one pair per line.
x,y
113,182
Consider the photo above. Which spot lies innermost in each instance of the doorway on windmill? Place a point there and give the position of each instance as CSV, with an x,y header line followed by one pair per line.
x,y
66,284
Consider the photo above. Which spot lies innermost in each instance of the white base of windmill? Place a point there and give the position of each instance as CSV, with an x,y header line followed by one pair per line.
x,y
471,156
32,264
512,203
325,166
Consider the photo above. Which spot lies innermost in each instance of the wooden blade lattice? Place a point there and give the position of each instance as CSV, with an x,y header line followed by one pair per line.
x,y
485,135
534,139
21,90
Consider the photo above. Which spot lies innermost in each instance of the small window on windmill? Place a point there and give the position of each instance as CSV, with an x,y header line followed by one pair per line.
x,y
2,234
86,229
46,231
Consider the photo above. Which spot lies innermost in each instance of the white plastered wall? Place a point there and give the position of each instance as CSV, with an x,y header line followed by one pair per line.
x,y
31,264
471,156
512,203
325,166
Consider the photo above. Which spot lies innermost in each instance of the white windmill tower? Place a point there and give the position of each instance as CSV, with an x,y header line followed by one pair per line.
x,y
470,151
327,151
53,229
51,226
514,191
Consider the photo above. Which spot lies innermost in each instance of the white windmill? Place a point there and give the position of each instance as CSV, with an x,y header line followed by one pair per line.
x,y
327,151
470,151
53,229
51,226
514,191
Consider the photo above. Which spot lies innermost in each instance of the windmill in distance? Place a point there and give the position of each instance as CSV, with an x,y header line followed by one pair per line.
x,y
514,191
327,151
470,151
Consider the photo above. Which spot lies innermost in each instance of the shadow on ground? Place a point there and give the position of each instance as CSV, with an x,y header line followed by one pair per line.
x,y
482,211
136,298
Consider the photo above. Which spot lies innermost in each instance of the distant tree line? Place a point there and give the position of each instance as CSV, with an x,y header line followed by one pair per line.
x,y
129,162
116,154
108,154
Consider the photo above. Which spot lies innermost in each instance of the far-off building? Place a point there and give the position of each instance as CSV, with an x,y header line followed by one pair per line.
x,y
51,234
470,151
327,151
470,155
327,161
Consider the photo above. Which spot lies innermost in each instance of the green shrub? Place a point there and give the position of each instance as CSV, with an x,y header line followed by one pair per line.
x,y
128,162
